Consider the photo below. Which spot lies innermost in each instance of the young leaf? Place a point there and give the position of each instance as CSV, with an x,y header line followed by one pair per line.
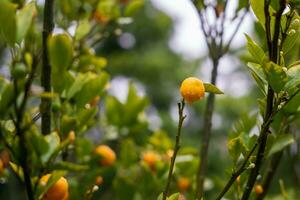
x,y
256,51
293,74
82,29
212,89
276,76
53,141
280,143
24,19
8,27
258,9
293,34
61,52
258,75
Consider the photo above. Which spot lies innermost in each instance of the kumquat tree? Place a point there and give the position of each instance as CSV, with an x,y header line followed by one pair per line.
x,y
149,100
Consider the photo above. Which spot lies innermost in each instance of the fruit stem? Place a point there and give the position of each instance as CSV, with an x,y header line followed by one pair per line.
x,y
176,148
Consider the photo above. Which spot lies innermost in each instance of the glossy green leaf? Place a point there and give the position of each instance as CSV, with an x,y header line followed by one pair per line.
x,y
293,34
212,88
53,141
293,74
256,51
39,144
276,76
24,20
82,29
61,53
93,87
258,9
8,27
280,143
259,76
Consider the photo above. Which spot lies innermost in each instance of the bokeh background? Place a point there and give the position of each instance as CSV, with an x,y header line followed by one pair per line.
x,y
148,56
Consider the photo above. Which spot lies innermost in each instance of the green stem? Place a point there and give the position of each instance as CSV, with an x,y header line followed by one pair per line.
x,y
238,172
46,69
176,148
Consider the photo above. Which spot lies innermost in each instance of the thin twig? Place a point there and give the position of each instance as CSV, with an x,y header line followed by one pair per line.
x,y
176,148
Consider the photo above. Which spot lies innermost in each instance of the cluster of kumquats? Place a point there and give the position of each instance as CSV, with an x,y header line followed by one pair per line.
x,y
192,89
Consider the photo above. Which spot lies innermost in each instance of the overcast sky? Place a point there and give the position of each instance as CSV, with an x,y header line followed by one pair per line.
x,y
187,38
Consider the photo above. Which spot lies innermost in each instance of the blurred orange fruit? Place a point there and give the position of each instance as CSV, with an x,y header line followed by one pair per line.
x,y
101,18
99,180
1,166
150,158
259,189
183,184
72,136
58,191
107,155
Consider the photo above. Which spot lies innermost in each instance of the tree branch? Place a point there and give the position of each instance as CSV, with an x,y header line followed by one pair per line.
x,y
273,54
176,148
46,69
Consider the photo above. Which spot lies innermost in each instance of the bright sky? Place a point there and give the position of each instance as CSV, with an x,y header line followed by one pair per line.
x,y
188,38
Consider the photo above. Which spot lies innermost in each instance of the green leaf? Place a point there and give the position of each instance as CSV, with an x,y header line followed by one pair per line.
x,y
53,141
68,166
128,153
174,196
108,8
235,147
256,51
293,34
133,7
160,196
6,98
280,143
82,29
40,144
258,75
93,87
24,19
212,89
293,74
276,76
17,170
8,27
61,52
258,9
